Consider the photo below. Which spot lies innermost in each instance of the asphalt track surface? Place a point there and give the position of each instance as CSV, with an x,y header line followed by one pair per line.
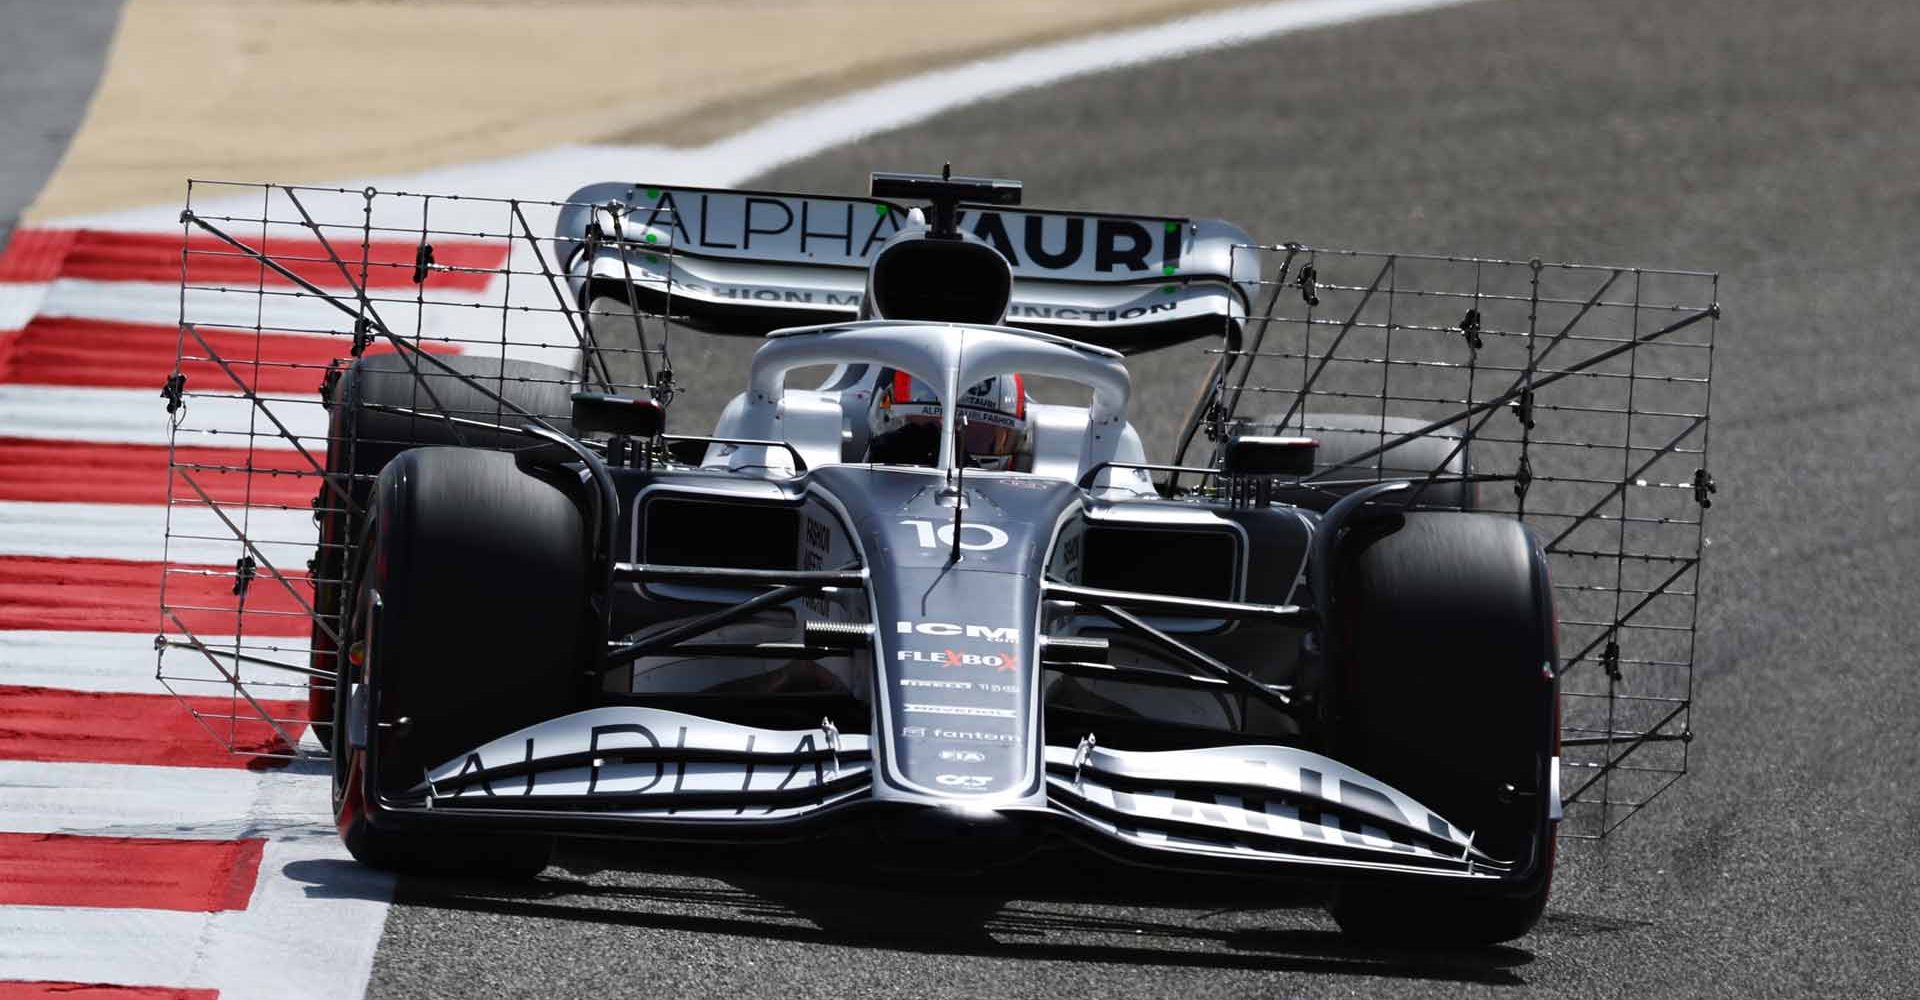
x,y
50,56
1769,139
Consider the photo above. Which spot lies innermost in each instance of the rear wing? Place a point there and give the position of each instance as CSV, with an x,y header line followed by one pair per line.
x,y
749,262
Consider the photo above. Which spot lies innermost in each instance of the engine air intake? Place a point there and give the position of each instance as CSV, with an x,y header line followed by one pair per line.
x,y
940,281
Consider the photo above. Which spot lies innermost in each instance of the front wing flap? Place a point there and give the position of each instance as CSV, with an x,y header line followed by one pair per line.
x,y
1259,804
655,763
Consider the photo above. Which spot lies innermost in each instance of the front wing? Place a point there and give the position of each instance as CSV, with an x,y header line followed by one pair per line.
x,y
629,771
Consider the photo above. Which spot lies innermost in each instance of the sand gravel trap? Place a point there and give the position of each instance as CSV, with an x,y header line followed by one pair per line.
x,y
318,90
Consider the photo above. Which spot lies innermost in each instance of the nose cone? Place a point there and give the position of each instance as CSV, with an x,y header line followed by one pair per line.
x,y
956,637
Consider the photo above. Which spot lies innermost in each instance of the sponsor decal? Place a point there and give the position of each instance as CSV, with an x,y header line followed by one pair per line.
x,y
915,682
761,293
1068,553
1039,242
846,232
816,539
736,224
850,301
981,415
968,735
969,781
968,710
963,735
945,630
963,756
823,299
611,777
1025,311
947,658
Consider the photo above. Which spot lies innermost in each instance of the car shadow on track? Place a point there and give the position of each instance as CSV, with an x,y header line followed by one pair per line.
x,y
1056,908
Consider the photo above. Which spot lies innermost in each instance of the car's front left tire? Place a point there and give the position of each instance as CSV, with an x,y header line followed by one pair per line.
x,y
1442,639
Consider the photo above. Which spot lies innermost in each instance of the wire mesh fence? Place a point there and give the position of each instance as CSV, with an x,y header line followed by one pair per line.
x,y
1575,397
281,288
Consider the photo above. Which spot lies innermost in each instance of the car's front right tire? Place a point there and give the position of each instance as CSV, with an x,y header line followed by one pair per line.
x,y
473,613
380,406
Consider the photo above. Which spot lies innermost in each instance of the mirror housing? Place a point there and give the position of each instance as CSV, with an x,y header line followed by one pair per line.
x,y
623,416
1269,456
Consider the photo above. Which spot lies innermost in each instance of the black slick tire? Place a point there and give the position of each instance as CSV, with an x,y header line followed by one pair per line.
x,y
480,572
364,433
1443,646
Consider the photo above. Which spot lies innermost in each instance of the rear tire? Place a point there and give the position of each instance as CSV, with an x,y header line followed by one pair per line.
x,y
481,572
1443,645
362,440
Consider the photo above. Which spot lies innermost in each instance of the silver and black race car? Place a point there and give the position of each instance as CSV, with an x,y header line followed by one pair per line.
x,y
915,600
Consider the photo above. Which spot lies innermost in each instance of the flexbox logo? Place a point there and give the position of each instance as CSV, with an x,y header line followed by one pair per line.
x,y
953,658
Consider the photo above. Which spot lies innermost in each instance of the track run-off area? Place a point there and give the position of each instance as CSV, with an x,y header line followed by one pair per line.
x,y
1759,138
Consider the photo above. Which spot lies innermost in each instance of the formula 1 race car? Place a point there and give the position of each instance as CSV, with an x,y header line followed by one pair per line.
x,y
918,601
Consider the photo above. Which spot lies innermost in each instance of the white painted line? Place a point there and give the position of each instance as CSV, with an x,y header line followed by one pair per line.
x,y
79,661
90,945
158,303
124,800
126,663
891,106
283,310
19,301
139,532
137,416
540,333
451,321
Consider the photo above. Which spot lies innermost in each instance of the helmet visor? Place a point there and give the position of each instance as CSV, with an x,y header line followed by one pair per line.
x,y
982,439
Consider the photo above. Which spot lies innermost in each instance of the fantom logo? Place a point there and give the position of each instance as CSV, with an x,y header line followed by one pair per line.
x,y
947,630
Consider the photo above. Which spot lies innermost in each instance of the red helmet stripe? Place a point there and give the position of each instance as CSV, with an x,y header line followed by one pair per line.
x,y
1019,397
902,386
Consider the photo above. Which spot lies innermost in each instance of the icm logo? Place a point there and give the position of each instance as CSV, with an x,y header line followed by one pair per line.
x,y
947,630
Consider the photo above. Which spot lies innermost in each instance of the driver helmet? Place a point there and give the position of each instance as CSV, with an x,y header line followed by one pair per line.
x,y
903,424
